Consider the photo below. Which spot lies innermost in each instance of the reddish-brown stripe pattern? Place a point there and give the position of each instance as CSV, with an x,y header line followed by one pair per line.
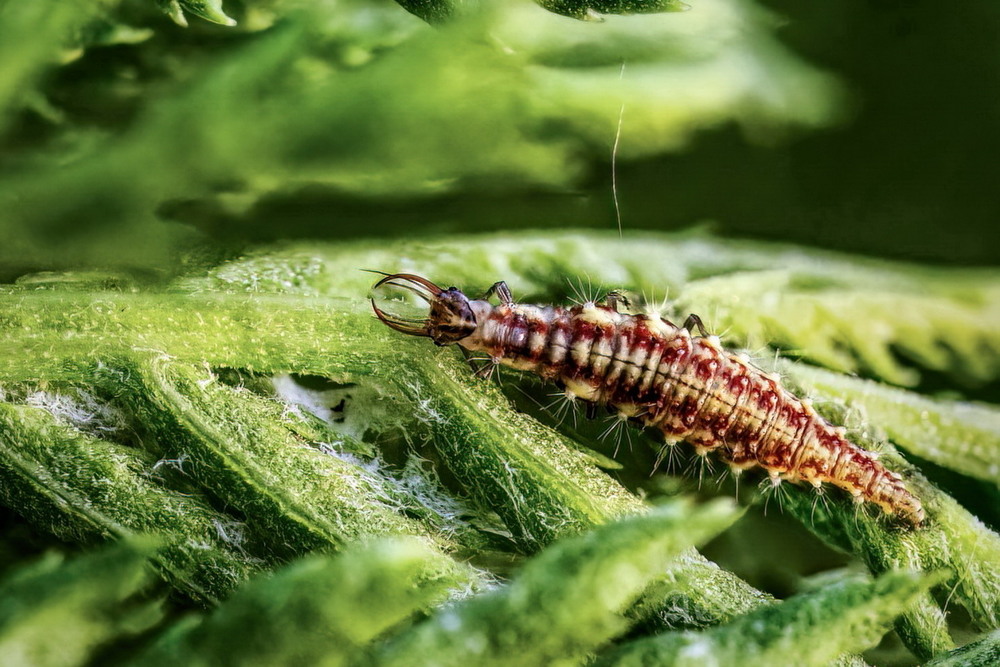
x,y
690,389
686,386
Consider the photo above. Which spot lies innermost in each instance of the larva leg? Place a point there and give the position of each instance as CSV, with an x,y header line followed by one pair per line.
x,y
488,368
502,292
469,359
481,367
613,298
694,322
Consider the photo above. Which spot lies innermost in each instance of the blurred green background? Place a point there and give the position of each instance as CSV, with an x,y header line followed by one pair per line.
x,y
132,142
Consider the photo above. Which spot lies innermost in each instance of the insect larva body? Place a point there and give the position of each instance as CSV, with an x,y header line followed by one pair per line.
x,y
649,370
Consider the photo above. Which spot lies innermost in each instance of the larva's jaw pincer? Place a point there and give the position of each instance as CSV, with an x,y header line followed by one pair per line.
x,y
422,287
451,317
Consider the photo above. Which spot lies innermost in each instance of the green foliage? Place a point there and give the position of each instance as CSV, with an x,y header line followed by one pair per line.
x,y
853,615
594,8
300,105
210,10
323,490
319,610
955,434
82,488
179,382
238,448
435,11
862,319
57,613
955,539
986,651
565,602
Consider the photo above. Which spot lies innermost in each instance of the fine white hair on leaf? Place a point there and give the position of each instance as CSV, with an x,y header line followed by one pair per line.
x,y
230,531
80,410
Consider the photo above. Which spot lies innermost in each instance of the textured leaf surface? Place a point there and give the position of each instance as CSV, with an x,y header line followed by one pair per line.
x,y
986,651
321,609
251,412
194,370
959,435
238,448
82,489
809,629
845,313
565,602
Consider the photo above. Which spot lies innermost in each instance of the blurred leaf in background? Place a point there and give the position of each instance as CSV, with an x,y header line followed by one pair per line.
x,y
357,111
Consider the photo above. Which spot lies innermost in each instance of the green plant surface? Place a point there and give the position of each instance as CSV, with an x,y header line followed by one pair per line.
x,y
210,10
56,613
189,190
83,489
814,628
694,592
318,610
953,539
845,313
29,33
537,482
945,328
594,8
544,487
437,11
238,448
986,651
565,602
191,367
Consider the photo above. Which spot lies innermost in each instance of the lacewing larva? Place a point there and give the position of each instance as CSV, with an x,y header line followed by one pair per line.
x,y
647,369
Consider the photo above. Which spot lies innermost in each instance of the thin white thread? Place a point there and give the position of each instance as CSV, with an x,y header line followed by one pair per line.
x,y
614,160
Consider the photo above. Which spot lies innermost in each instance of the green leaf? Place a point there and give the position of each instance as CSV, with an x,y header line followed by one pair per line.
x,y
82,489
302,310
808,629
694,592
31,37
593,8
980,653
298,496
566,601
543,487
320,609
537,481
57,613
953,540
210,10
304,105
852,318
845,313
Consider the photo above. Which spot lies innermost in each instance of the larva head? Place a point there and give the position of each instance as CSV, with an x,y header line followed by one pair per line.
x,y
451,317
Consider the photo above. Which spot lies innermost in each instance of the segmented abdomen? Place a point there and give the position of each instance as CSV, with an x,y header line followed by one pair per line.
x,y
691,389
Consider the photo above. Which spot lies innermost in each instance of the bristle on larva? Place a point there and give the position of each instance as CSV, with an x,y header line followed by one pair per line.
x,y
688,387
